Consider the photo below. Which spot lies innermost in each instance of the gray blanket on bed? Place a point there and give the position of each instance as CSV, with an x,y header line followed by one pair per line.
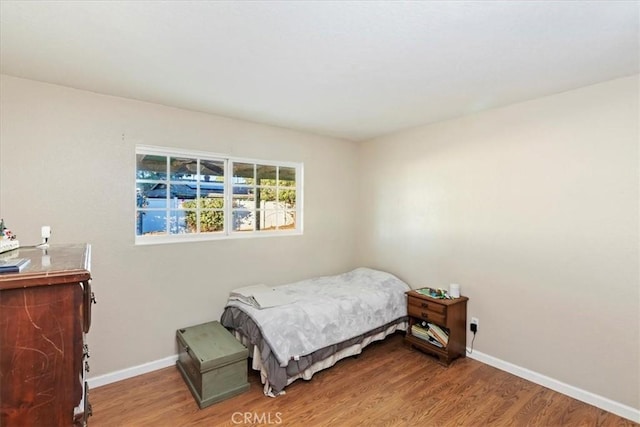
x,y
328,310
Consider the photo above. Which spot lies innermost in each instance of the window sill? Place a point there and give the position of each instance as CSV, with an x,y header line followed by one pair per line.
x,y
182,238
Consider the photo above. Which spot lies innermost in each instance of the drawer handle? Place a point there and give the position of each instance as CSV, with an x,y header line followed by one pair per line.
x,y
424,305
424,315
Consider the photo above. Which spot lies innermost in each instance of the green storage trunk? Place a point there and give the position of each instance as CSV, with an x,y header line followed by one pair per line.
x,y
212,362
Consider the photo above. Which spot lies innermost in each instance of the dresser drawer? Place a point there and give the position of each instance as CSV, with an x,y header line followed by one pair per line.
x,y
427,310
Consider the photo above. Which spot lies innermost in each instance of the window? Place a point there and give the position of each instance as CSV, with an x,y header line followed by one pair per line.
x,y
186,195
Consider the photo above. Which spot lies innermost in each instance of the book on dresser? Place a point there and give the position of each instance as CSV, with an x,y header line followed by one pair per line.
x,y
13,265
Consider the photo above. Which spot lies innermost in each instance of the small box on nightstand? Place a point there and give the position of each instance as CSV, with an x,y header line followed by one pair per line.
x,y
212,362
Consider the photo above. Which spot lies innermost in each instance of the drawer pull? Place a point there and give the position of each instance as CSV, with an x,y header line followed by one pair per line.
x,y
424,315
424,305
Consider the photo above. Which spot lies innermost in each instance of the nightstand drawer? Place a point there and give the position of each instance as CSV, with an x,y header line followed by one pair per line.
x,y
428,314
421,304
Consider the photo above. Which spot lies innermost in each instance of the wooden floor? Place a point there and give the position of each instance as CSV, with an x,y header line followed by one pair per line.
x,y
387,385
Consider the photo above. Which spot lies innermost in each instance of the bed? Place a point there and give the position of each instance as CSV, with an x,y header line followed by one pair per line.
x,y
324,320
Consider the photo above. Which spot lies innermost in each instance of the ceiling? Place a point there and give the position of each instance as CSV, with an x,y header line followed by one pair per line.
x,y
348,69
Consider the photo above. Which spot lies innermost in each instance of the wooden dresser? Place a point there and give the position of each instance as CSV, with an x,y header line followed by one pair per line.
x,y
45,312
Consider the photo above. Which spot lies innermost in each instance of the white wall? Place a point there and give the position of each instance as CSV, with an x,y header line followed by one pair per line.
x,y
67,160
534,210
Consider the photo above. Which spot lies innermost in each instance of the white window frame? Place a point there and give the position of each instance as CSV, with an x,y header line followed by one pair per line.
x,y
228,232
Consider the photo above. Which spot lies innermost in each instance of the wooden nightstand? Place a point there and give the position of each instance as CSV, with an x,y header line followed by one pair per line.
x,y
449,315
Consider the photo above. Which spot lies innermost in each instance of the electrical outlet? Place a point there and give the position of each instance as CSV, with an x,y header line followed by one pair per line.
x,y
473,325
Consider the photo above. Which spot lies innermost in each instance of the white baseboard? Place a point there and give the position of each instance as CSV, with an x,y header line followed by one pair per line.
x,y
566,389
134,371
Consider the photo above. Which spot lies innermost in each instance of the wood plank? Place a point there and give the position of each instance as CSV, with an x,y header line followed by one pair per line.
x,y
387,385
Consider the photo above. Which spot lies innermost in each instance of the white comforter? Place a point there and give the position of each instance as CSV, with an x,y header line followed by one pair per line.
x,y
328,310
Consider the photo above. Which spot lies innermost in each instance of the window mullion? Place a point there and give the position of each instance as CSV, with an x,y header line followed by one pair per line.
x,y
278,208
168,197
198,195
228,196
